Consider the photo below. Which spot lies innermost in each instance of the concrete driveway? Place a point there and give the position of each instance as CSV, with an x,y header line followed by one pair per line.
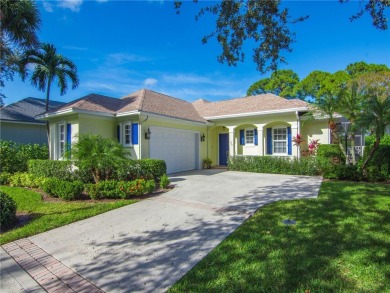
x,y
150,245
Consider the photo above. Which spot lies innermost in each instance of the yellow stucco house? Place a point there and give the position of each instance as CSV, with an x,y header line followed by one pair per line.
x,y
154,125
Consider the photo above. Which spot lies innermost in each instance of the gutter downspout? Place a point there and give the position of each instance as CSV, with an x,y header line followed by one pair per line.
x,y
299,132
140,135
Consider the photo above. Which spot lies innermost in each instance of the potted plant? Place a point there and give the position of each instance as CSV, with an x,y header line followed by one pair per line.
x,y
207,163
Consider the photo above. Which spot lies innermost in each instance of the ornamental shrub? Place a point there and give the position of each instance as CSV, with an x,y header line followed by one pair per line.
x,y
50,186
164,181
7,211
51,168
14,156
26,180
275,165
69,190
144,168
331,152
4,178
63,189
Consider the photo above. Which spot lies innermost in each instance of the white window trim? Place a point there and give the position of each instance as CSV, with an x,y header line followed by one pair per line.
x,y
273,140
123,134
57,152
245,141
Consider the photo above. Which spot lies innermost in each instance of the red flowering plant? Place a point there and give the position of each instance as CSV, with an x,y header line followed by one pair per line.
x,y
313,146
298,140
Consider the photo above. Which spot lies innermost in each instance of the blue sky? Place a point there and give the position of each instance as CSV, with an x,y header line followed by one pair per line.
x,y
123,46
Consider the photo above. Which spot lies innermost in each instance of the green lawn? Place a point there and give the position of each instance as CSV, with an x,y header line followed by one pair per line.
x,y
49,215
341,243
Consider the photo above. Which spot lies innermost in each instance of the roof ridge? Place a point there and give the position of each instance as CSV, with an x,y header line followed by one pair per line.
x,y
142,99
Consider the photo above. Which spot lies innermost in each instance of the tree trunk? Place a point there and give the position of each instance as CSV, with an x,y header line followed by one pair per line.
x,y
371,154
353,154
47,110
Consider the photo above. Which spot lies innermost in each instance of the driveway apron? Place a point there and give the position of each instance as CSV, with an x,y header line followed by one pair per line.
x,y
148,246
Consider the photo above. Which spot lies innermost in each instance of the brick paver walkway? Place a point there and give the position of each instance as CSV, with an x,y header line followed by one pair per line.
x,y
51,274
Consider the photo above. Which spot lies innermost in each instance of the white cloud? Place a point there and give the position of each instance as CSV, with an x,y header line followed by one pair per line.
x,y
187,78
47,6
123,58
73,5
75,48
150,81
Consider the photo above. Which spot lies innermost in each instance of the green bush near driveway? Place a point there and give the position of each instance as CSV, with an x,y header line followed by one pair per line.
x,y
7,211
63,189
112,189
340,243
274,165
143,168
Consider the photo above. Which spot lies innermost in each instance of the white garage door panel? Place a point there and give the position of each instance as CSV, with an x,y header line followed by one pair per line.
x,y
176,147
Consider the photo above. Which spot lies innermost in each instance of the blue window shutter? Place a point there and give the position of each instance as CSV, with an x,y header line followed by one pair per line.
x,y
134,133
68,136
118,133
269,141
242,137
289,141
256,136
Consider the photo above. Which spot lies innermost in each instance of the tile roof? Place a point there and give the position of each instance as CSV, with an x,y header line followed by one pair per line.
x,y
93,102
26,110
153,102
143,100
251,104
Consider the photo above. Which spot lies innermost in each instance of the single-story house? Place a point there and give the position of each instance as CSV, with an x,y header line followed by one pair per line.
x,y
154,125
18,122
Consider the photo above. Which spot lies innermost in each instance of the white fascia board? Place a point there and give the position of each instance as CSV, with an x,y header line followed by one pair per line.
x,y
241,115
174,119
73,111
135,112
322,117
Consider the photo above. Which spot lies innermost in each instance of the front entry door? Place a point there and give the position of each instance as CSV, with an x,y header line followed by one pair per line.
x,y
223,148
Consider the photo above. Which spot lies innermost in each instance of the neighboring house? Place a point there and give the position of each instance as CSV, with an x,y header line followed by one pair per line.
x,y
18,123
154,125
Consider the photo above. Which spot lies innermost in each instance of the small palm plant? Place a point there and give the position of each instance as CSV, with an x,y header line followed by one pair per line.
x,y
97,155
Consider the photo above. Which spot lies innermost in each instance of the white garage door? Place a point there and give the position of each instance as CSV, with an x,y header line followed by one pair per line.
x,y
178,148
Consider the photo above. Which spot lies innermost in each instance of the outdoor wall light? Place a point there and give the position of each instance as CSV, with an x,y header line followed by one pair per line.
x,y
147,134
202,138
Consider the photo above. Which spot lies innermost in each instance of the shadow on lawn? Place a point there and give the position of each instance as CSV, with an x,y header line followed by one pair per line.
x,y
338,244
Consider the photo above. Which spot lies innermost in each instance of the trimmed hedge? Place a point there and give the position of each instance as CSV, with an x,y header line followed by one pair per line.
x,y
330,151
7,211
63,189
144,168
120,189
14,156
51,169
274,165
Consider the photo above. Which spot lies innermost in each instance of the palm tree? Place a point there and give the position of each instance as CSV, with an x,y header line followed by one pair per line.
x,y
49,66
19,21
375,89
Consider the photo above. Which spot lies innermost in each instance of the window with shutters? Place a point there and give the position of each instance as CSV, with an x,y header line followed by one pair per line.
x,y
60,141
126,130
249,136
279,140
